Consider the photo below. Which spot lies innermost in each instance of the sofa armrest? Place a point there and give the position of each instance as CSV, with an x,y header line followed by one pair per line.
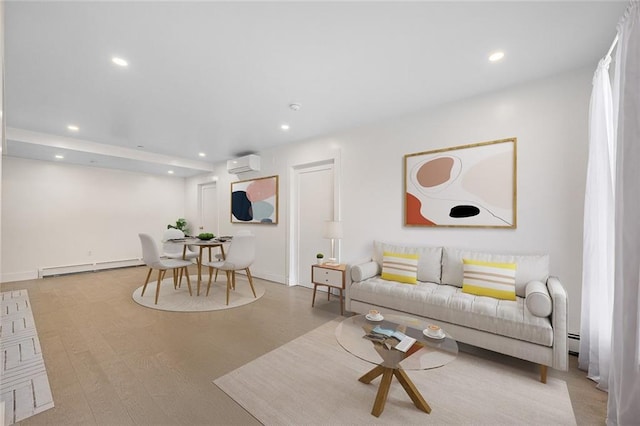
x,y
365,270
559,323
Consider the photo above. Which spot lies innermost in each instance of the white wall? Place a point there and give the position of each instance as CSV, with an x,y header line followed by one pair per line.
x,y
549,118
55,214
3,119
273,260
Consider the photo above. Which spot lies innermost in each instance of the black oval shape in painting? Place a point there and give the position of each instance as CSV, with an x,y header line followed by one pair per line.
x,y
241,206
464,211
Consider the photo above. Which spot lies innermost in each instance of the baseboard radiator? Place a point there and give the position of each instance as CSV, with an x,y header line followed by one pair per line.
x,y
51,271
574,343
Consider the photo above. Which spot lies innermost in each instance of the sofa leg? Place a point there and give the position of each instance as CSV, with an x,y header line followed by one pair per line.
x,y
543,373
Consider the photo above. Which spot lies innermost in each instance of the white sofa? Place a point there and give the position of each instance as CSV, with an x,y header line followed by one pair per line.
x,y
533,327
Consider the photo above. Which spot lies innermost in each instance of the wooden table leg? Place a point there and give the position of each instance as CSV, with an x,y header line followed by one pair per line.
x,y
184,257
199,271
221,246
383,392
368,377
411,390
313,300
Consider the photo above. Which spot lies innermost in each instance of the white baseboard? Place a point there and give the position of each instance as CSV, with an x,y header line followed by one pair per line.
x,y
49,271
19,276
87,267
269,277
98,266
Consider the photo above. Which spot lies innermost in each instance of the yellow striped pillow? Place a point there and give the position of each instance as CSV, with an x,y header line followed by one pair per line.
x,y
491,279
400,267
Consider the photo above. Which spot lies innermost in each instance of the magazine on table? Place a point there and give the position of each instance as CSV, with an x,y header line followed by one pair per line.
x,y
390,338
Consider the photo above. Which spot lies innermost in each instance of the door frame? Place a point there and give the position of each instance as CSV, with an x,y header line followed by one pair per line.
x,y
201,188
292,237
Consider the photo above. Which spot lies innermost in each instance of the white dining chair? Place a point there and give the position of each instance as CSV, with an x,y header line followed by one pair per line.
x,y
240,256
151,258
177,251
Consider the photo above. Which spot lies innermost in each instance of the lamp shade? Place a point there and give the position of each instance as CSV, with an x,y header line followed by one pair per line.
x,y
332,229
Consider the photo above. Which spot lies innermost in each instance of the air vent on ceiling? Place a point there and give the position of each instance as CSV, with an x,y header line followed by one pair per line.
x,y
248,163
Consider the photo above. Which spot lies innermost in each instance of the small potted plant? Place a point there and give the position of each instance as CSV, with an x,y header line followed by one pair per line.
x,y
319,258
181,224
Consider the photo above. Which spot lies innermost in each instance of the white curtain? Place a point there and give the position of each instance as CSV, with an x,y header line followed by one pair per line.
x,y
598,236
624,376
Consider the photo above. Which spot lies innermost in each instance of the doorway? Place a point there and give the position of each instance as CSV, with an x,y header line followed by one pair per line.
x,y
314,202
208,209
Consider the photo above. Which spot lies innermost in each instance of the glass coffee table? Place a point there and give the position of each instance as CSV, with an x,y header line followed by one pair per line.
x,y
426,353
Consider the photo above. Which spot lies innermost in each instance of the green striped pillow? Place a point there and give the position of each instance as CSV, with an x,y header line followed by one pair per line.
x,y
491,279
400,267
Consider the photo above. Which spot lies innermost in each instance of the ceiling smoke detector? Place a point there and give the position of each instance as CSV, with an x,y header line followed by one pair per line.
x,y
295,107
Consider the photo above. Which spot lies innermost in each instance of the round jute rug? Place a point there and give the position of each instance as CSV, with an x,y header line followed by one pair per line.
x,y
178,300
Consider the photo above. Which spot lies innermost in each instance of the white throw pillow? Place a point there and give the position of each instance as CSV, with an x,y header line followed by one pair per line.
x,y
364,271
538,300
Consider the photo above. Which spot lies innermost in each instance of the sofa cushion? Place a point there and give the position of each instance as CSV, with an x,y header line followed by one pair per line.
x,y
400,267
449,304
538,300
489,279
364,270
429,258
528,267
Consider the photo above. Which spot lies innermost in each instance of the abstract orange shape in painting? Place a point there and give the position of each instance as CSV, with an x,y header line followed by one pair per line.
x,y
414,217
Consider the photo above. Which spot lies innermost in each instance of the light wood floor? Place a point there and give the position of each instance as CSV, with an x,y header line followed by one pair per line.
x,y
113,362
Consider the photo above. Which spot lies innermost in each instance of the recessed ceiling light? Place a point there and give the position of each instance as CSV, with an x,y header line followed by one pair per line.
x,y
202,154
119,61
59,157
73,127
285,127
295,106
140,146
496,56
170,172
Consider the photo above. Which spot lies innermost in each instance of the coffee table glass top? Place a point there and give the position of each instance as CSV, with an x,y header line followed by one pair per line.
x,y
426,353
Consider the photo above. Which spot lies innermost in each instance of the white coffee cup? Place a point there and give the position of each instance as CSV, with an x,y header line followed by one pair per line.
x,y
433,330
374,314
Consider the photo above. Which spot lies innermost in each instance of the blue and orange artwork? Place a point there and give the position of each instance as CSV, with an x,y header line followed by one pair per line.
x,y
471,185
255,200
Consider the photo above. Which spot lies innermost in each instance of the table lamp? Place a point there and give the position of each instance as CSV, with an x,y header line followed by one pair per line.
x,y
332,231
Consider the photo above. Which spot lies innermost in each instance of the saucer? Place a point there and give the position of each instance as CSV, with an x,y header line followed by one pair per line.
x,y
440,335
376,318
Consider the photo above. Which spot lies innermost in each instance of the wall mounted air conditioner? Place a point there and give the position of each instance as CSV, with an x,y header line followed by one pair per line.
x,y
248,163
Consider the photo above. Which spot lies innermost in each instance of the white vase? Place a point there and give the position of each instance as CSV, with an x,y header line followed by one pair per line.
x,y
319,260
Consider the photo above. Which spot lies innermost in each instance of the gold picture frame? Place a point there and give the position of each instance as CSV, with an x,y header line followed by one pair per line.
x,y
255,201
468,186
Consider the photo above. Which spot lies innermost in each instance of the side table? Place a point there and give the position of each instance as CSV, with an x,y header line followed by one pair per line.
x,y
332,276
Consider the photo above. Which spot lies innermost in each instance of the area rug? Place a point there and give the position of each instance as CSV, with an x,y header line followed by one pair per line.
x,y
312,380
24,385
178,300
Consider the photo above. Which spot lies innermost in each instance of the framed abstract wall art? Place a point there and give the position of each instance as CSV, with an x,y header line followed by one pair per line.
x,y
255,201
471,186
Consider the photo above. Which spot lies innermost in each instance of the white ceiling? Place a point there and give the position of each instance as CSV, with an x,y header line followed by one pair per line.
x,y
218,77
